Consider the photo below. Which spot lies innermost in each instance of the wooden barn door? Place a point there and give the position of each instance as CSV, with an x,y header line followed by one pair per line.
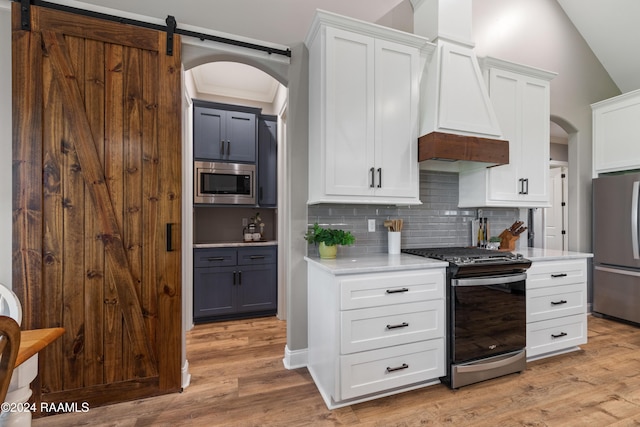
x,y
97,154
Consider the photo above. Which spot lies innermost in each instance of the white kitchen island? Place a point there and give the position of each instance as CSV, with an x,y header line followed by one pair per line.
x,y
376,325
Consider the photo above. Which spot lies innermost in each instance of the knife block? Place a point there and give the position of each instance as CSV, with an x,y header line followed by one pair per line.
x,y
508,241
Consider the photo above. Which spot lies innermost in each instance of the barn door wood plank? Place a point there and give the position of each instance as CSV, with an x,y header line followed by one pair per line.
x,y
27,171
113,167
170,151
94,253
73,190
53,146
94,176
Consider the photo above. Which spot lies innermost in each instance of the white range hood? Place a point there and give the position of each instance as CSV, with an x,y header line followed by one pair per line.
x,y
457,121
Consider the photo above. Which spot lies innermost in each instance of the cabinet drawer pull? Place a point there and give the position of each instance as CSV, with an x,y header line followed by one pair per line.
x,y
215,258
399,368
555,276
558,302
397,291
257,257
560,335
401,325
372,171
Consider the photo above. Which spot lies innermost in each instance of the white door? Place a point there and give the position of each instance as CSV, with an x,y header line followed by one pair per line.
x,y
554,217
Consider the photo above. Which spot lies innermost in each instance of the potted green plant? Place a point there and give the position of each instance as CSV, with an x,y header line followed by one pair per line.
x,y
328,240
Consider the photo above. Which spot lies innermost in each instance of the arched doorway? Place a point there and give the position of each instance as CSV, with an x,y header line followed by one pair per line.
x,y
197,53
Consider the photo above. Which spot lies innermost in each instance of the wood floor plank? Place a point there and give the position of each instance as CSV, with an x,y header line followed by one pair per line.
x,y
238,379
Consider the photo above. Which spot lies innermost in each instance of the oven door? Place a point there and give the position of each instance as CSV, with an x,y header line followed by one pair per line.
x,y
488,316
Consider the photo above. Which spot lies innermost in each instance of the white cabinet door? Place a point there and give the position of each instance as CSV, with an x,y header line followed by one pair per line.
x,y
396,114
616,133
534,160
521,100
363,110
522,107
504,89
349,147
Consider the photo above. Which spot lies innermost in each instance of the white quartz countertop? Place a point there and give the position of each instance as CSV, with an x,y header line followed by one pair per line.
x,y
235,244
538,254
374,263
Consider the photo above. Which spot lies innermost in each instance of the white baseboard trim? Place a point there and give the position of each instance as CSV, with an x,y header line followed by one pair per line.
x,y
186,376
294,359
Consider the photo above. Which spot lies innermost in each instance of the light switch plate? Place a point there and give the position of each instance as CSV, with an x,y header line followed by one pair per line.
x,y
372,225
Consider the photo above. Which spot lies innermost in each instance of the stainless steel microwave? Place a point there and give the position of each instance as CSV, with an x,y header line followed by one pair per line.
x,y
224,183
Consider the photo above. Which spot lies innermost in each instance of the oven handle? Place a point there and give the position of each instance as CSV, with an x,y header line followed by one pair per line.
x,y
491,365
493,280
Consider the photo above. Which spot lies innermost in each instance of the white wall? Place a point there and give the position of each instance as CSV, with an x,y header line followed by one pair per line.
x,y
538,33
5,144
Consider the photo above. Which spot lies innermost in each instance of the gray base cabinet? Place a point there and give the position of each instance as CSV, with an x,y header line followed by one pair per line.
x,y
234,282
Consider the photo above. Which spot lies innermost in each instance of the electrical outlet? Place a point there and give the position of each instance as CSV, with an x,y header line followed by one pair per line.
x,y
245,222
372,225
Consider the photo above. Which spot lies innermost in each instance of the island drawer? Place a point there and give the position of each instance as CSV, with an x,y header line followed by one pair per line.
x,y
554,273
391,367
380,289
377,327
556,301
556,334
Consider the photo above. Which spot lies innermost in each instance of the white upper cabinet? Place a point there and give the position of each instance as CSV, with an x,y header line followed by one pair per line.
x,y
363,112
521,99
616,133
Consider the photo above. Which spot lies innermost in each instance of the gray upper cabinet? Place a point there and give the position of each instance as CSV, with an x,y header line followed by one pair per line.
x,y
223,135
267,161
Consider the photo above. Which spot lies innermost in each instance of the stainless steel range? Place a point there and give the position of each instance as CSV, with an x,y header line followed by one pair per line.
x,y
486,316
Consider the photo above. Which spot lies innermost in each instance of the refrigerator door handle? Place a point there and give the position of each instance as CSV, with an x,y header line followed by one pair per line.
x,y
634,219
618,271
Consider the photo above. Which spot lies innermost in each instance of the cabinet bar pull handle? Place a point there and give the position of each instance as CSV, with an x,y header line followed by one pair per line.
x,y
215,258
560,335
397,291
401,325
521,181
399,368
169,237
228,148
239,277
558,302
234,277
372,172
379,177
256,257
526,181
555,276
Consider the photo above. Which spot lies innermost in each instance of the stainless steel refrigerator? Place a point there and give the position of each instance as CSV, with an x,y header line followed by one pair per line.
x,y
616,276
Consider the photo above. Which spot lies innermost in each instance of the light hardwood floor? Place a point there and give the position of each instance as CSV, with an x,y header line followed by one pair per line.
x,y
238,380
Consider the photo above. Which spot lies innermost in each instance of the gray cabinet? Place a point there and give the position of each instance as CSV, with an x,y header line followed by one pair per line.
x,y
267,161
234,282
223,134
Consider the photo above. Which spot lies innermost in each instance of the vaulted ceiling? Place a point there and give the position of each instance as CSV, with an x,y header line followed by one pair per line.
x,y
609,27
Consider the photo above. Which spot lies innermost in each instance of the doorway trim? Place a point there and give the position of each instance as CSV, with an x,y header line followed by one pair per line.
x,y
197,52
